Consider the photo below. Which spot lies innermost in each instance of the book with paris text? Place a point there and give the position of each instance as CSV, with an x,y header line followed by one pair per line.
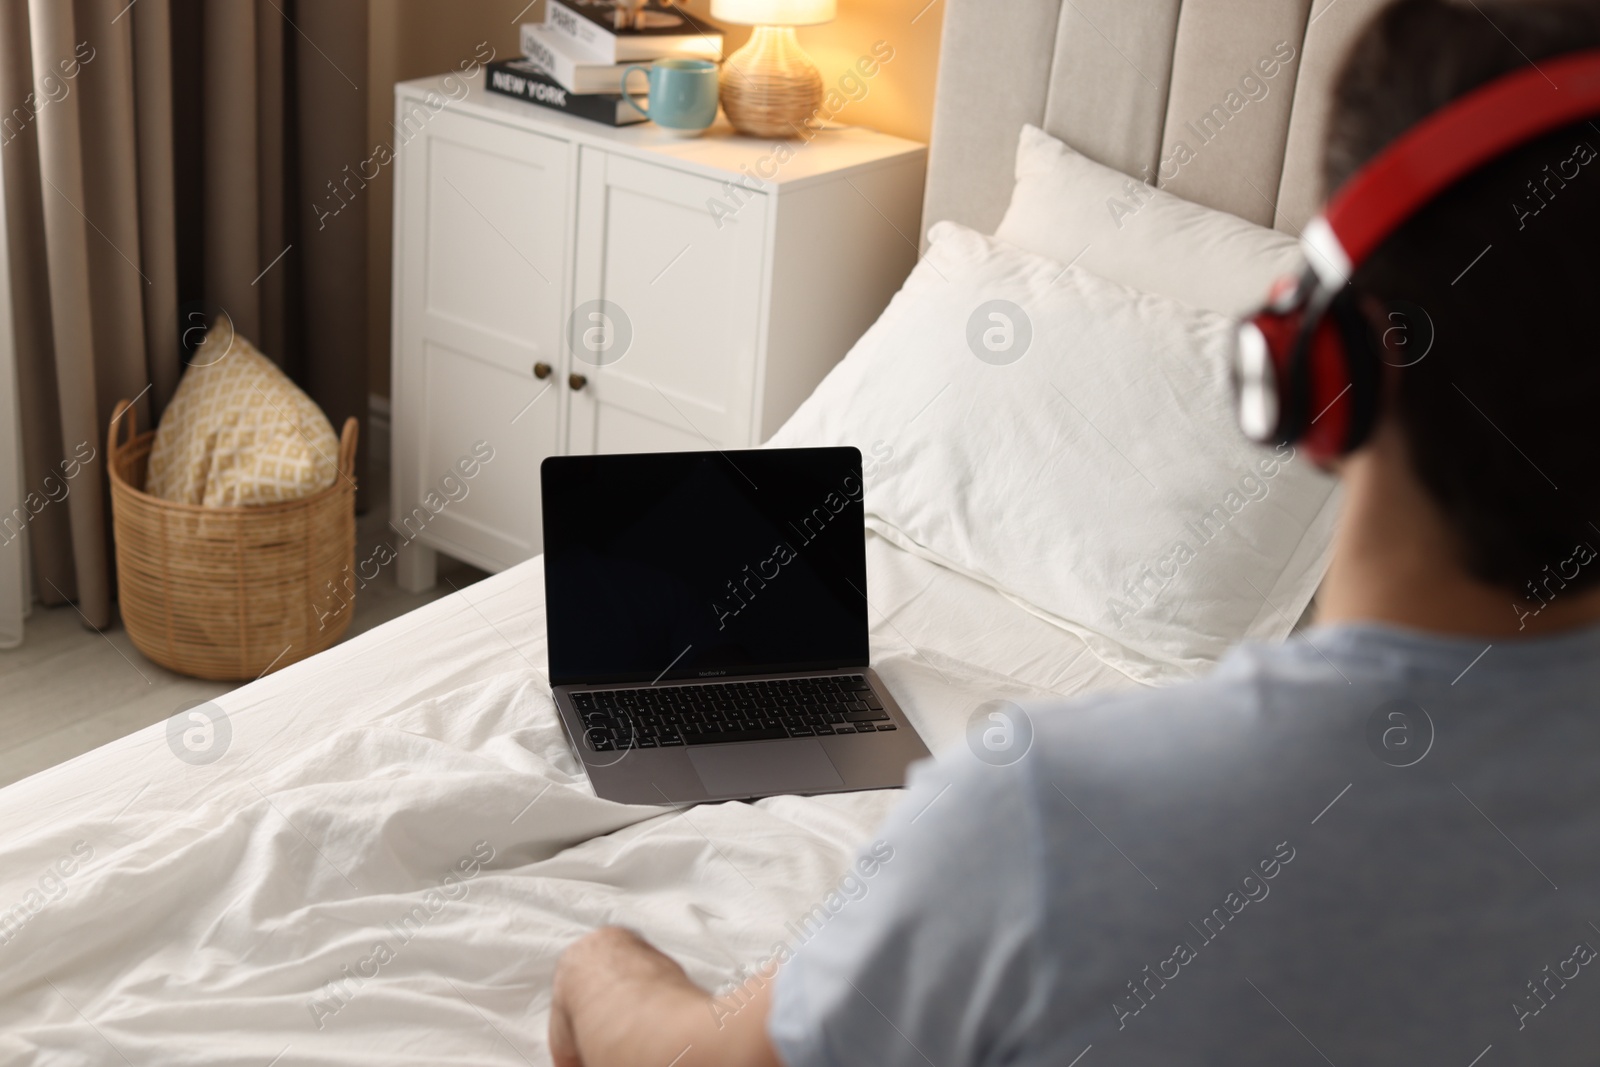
x,y
609,32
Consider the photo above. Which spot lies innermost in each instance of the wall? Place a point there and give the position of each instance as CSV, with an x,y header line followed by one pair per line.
x,y
415,38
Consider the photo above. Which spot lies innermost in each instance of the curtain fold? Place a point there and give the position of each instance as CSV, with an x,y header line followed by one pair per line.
x,y
274,163
232,163
118,273
153,123
31,321
159,160
330,96
57,126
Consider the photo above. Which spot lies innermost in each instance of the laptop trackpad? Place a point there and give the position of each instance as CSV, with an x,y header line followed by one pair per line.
x,y
765,768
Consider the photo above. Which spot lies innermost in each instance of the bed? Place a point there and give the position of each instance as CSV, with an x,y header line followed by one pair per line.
x,y
393,840
236,900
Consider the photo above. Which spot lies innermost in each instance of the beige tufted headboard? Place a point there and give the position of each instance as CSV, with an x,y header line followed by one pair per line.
x,y
1124,82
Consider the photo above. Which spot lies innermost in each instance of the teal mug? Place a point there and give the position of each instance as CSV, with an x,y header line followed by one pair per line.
x,y
683,94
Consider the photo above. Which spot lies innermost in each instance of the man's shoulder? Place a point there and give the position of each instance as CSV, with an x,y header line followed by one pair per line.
x,y
1260,697
1196,782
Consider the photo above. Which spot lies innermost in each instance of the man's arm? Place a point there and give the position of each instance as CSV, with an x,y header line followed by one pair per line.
x,y
617,1002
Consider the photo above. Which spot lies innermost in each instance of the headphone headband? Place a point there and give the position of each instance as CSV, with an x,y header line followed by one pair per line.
x,y
1444,148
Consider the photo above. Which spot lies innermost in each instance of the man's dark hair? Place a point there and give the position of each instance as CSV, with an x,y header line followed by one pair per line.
x,y
1500,417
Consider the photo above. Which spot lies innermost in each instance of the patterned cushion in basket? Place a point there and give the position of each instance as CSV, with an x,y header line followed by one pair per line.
x,y
238,431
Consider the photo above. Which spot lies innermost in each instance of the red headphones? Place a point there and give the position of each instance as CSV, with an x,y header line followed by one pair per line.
x,y
1298,357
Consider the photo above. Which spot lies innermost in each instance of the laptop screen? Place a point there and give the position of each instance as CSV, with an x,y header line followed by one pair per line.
x,y
702,564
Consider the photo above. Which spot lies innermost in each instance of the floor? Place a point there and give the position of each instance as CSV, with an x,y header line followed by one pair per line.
x,y
68,689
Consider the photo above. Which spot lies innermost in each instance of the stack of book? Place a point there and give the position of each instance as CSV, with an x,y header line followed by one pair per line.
x,y
574,60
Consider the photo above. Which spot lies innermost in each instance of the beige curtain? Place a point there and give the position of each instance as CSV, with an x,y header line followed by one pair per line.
x,y
163,158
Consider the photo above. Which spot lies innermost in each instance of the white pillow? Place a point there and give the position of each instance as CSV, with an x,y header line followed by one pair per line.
x,y
1068,477
1070,208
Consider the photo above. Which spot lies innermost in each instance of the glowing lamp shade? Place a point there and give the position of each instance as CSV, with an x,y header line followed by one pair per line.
x,y
774,12
770,87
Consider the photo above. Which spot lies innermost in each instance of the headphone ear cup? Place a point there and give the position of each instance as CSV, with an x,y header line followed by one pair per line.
x,y
1307,371
1271,386
1263,349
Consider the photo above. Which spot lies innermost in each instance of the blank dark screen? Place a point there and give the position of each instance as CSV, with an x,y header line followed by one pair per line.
x,y
700,564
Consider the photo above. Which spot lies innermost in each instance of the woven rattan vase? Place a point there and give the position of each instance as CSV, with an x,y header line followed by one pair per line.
x,y
228,593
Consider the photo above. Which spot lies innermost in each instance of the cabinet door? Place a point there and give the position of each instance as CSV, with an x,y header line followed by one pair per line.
x,y
482,217
666,307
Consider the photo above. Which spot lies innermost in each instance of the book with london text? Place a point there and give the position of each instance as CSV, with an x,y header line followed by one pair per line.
x,y
657,30
523,80
546,50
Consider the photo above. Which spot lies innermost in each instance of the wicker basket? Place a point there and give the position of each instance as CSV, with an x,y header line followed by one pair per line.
x,y
229,593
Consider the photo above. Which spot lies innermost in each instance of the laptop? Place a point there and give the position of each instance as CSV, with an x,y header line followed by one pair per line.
x,y
707,618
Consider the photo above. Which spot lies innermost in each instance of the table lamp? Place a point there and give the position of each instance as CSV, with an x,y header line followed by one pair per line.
x,y
770,87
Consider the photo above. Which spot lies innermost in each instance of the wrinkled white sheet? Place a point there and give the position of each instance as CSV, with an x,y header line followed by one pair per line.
x,y
385,863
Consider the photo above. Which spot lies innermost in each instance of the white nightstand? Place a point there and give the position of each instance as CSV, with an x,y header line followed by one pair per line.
x,y
728,278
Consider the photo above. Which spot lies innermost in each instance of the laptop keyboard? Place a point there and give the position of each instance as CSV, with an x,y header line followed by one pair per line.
x,y
721,712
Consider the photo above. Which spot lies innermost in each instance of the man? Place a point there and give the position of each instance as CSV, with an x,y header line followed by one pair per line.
x,y
1375,843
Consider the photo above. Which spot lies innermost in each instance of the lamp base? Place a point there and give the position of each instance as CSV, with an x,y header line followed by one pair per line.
x,y
770,87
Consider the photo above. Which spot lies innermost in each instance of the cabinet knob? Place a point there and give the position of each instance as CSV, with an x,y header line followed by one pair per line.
x,y
541,371
576,381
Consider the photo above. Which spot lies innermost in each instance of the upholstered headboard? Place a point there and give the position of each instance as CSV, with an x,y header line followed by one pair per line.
x,y
1125,82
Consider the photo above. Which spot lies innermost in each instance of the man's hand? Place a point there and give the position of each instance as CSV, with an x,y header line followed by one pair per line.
x,y
618,1001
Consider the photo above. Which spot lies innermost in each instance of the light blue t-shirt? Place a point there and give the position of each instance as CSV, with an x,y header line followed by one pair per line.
x,y
1363,846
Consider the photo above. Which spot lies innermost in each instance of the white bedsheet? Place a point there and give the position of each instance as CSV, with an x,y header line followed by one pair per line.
x,y
233,913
